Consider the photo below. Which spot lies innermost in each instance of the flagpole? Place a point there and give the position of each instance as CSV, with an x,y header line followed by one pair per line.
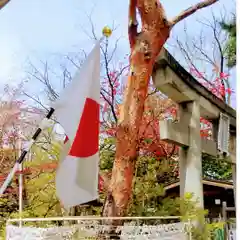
x,y
20,183
25,151
20,194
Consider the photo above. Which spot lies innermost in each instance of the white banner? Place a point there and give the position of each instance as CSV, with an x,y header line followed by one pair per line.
x,y
78,231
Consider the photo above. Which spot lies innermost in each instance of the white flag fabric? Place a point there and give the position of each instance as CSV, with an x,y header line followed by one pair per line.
x,y
77,110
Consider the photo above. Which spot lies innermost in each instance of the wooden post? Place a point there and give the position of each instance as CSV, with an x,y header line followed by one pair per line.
x,y
224,215
234,182
232,152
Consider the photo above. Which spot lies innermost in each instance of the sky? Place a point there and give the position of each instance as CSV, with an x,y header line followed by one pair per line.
x,y
34,30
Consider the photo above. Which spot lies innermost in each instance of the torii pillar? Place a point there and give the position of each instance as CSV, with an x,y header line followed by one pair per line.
x,y
190,158
186,134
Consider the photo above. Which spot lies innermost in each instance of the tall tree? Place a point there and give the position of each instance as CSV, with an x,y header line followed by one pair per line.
x,y
127,125
145,47
231,46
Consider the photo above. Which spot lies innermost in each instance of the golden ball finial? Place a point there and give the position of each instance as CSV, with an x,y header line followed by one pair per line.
x,y
107,32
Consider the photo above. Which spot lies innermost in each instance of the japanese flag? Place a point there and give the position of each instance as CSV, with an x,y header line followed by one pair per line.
x,y
77,110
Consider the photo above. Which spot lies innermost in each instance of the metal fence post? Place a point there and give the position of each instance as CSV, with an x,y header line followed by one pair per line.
x,y
190,229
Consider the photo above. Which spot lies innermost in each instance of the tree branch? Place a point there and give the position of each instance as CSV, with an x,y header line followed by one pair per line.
x,y
188,12
111,106
3,3
36,100
132,25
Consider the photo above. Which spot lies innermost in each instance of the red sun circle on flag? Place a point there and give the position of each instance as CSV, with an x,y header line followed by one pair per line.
x,y
85,143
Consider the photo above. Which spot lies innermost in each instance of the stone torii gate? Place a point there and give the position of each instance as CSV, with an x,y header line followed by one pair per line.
x,y
194,101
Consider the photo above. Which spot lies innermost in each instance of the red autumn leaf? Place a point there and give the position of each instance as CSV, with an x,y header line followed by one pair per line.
x,y
229,91
224,75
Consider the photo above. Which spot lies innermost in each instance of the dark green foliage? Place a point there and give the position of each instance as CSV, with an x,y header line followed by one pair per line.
x,y
230,52
148,194
107,154
216,168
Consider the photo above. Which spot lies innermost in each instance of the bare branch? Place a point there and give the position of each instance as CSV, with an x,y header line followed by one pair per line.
x,y
37,100
114,50
188,59
188,12
44,79
93,34
106,63
111,106
202,52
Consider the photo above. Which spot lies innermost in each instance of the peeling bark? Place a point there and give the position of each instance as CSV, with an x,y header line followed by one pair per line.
x,y
145,47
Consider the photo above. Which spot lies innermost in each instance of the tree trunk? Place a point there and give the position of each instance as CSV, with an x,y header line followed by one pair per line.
x,y
145,47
